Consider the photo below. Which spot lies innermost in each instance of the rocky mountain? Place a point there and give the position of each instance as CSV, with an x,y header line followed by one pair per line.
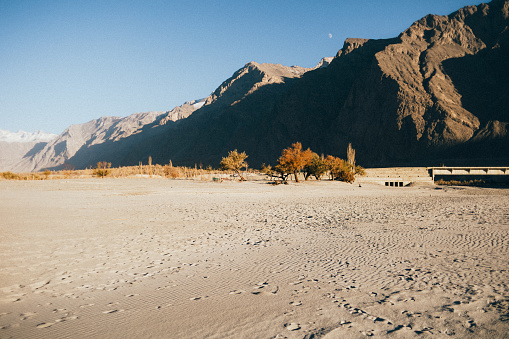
x,y
438,88
233,93
78,138
435,94
22,136
15,145
11,153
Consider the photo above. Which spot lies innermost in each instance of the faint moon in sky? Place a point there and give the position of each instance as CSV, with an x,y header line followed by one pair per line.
x,y
330,35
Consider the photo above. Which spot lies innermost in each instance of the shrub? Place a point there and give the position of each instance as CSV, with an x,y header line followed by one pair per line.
x,y
339,169
172,172
347,176
102,169
46,173
68,170
11,176
477,182
360,170
267,170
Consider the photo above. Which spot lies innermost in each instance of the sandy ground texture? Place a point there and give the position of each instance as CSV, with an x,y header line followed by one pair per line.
x,y
159,258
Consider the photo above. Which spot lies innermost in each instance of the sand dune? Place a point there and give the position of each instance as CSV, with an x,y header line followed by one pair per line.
x,y
181,259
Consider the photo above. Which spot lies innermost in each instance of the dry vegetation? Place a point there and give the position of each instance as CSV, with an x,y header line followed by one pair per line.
x,y
461,183
293,161
104,169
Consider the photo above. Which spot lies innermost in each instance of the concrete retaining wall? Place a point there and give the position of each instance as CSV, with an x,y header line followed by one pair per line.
x,y
396,176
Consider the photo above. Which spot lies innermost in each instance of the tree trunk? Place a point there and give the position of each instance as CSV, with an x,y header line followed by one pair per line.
x,y
296,178
241,177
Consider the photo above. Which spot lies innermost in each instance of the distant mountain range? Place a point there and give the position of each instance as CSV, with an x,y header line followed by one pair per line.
x,y
15,145
22,136
436,94
57,151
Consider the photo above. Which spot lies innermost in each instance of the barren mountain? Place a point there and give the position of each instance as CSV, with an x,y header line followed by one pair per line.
x,y
432,95
11,153
16,145
235,103
22,136
77,139
435,94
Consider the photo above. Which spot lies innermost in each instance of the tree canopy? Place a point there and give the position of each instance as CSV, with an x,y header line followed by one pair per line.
x,y
292,160
235,161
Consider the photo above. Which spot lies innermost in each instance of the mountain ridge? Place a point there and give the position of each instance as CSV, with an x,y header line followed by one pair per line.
x,y
76,138
433,94
23,136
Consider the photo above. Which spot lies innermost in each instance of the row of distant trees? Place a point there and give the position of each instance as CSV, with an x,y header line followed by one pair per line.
x,y
294,160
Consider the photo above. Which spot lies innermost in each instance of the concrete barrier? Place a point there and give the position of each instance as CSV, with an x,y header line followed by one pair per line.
x,y
396,176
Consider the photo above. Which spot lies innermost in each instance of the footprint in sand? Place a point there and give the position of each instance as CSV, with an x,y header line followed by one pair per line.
x,y
110,311
74,317
266,292
39,284
296,303
86,305
13,297
163,306
44,325
293,327
236,292
25,316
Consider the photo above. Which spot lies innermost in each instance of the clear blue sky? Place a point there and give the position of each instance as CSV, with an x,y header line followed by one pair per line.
x,y
67,62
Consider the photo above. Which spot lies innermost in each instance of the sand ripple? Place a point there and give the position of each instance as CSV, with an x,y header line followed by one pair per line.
x,y
103,258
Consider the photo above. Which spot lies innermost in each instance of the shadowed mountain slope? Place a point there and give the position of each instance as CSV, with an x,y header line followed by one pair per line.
x,y
435,94
427,96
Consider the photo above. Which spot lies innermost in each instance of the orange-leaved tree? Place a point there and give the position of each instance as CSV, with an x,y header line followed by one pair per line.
x,y
339,169
235,161
292,160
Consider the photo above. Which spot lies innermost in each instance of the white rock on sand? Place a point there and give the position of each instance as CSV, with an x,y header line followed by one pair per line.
x,y
168,258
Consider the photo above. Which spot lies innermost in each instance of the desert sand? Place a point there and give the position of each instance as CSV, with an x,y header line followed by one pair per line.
x,y
160,258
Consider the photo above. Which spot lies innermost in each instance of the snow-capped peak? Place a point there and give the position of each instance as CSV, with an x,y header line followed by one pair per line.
x,y
22,136
199,104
